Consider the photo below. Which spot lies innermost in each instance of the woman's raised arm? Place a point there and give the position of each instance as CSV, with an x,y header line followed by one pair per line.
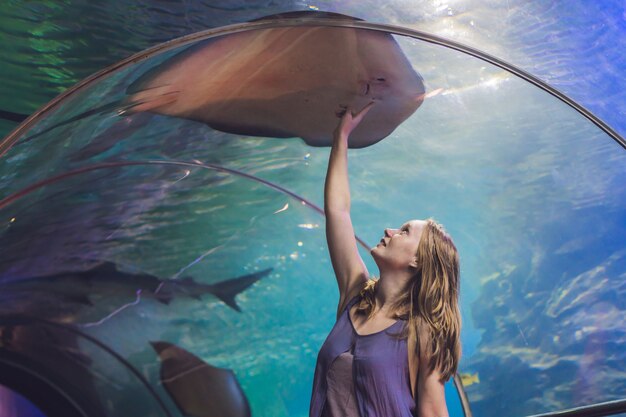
x,y
350,270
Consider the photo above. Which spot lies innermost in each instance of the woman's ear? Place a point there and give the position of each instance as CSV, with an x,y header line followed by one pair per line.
x,y
413,263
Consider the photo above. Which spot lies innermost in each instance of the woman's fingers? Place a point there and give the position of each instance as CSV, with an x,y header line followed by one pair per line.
x,y
365,109
357,117
349,121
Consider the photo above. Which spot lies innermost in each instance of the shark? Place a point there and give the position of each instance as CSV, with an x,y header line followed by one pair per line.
x,y
105,280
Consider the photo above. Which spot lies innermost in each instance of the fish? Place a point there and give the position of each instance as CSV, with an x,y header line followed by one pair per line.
x,y
468,379
197,388
287,82
282,82
79,287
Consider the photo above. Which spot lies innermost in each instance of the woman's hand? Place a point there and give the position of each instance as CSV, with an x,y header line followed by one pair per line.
x,y
350,121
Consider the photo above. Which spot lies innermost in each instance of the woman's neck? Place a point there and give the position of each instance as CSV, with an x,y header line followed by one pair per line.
x,y
388,291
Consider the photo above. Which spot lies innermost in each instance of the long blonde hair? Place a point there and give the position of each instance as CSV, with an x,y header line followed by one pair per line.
x,y
431,302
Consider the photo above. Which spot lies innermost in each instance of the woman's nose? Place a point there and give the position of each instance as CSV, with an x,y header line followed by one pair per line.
x,y
390,232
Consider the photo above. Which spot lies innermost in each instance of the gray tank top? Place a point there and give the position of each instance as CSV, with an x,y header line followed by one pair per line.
x,y
380,370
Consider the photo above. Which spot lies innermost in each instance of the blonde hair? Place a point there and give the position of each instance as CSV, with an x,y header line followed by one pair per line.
x,y
431,302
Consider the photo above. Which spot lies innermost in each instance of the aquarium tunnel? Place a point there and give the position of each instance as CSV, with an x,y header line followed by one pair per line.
x,y
163,238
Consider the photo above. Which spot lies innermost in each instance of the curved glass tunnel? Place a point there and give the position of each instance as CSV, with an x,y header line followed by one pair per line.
x,y
121,229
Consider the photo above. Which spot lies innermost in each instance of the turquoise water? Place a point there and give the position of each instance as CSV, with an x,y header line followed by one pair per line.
x,y
530,191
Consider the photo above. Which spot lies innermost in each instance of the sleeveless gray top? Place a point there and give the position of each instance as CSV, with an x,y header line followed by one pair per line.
x,y
380,369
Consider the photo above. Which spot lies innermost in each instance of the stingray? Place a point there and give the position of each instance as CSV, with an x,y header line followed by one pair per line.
x,y
197,388
282,82
287,82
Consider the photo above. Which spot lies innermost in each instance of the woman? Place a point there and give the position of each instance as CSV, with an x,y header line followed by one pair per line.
x,y
396,339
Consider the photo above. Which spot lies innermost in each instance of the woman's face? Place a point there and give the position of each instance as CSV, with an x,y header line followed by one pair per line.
x,y
398,247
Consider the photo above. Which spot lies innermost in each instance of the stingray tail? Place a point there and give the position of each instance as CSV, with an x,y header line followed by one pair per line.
x,y
143,100
121,107
153,98
227,290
